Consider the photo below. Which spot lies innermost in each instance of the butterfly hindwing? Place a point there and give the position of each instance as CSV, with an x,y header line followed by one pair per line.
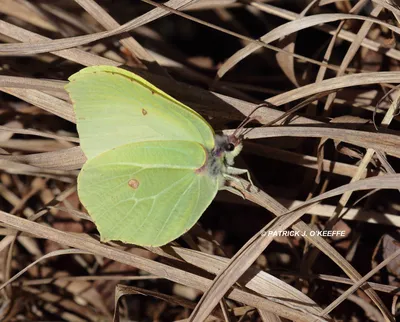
x,y
114,107
147,193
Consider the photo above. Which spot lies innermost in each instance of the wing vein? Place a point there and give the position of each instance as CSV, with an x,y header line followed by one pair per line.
x,y
155,199
172,210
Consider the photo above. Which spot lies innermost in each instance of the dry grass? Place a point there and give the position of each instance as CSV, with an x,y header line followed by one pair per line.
x,y
329,70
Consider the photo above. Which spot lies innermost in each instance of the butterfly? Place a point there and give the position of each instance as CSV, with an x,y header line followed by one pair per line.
x,y
153,165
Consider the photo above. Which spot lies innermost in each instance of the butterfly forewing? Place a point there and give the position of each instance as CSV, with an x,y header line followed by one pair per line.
x,y
147,193
114,107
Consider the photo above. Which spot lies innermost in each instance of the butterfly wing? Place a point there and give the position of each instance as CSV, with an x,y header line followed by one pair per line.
x,y
115,107
147,193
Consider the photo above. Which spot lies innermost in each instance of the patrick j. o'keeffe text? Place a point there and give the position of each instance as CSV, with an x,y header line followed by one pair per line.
x,y
292,233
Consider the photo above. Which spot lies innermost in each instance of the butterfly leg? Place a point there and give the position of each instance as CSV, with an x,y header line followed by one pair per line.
x,y
234,178
233,190
238,171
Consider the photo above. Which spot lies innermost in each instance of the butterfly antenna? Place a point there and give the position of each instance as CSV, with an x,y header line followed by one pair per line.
x,y
249,119
290,111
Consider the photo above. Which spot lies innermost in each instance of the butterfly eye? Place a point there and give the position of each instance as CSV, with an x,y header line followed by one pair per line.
x,y
230,147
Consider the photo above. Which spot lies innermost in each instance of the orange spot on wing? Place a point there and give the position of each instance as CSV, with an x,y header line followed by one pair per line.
x,y
133,183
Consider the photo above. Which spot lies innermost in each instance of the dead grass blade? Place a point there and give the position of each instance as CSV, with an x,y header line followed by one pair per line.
x,y
65,159
364,163
237,35
253,248
346,281
307,161
32,83
286,62
237,266
51,280
379,141
52,254
34,145
45,101
289,28
211,4
363,280
61,44
255,280
38,133
21,11
108,22
20,168
73,54
66,43
389,181
391,6
334,84
352,51
123,290
343,34
58,14
159,269
349,213
346,196
268,317
269,203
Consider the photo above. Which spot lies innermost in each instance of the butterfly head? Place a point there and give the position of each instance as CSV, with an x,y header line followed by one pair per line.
x,y
227,147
